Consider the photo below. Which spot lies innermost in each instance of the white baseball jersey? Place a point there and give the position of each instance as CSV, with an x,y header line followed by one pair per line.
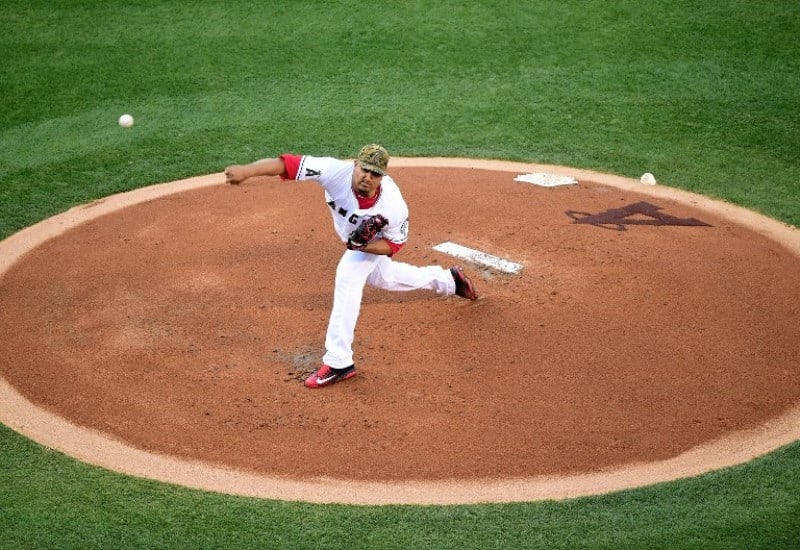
x,y
336,178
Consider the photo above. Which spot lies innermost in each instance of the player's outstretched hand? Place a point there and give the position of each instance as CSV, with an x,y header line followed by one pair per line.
x,y
235,174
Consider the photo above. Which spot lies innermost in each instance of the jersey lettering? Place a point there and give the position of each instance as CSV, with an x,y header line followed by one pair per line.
x,y
341,211
310,173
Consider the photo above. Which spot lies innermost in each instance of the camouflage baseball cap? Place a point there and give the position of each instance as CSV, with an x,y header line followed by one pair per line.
x,y
373,158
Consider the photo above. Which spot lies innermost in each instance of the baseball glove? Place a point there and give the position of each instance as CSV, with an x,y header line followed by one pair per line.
x,y
364,233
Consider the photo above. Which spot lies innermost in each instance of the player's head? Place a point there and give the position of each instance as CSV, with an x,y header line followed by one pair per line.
x,y
370,167
373,158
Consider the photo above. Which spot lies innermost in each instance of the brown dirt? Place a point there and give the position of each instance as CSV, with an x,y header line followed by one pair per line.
x,y
172,327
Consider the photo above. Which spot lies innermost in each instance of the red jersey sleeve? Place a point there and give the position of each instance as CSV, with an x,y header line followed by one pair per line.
x,y
292,163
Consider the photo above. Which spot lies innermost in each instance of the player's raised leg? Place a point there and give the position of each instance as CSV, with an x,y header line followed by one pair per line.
x,y
398,276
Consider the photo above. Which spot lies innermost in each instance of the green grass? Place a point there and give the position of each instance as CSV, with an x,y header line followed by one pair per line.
x,y
58,502
702,94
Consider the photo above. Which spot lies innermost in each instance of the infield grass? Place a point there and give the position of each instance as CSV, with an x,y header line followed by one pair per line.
x,y
703,94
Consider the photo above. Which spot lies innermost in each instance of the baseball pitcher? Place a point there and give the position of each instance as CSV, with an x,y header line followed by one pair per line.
x,y
371,218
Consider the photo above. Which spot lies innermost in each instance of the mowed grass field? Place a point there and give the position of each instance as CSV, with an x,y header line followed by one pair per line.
x,y
703,94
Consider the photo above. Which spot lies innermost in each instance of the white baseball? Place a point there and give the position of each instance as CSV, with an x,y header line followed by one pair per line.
x,y
648,179
126,121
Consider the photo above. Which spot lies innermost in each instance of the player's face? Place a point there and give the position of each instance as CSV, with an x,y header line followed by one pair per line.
x,y
365,183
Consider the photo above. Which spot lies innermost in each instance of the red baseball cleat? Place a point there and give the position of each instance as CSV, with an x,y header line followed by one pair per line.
x,y
464,286
326,376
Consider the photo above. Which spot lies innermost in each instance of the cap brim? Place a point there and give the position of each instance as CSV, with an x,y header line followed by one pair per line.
x,y
372,168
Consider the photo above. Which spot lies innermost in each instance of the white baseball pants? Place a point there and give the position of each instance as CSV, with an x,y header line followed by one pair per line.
x,y
356,269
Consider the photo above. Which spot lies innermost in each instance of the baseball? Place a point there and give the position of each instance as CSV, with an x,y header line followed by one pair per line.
x,y
648,179
126,121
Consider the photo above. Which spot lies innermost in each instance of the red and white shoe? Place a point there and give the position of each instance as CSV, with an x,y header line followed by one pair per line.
x,y
326,376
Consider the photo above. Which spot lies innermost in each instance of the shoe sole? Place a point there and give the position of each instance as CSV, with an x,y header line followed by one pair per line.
x,y
470,293
466,285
